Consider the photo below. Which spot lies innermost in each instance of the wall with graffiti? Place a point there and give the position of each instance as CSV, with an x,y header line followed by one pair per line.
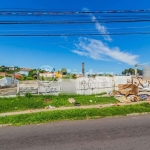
x,y
143,85
84,86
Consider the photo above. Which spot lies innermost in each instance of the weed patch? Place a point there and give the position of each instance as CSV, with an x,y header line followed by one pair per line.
x,y
73,114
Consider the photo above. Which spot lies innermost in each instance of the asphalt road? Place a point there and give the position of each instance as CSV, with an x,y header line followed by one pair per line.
x,y
121,133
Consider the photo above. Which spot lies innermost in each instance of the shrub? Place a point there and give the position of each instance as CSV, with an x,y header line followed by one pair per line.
x,y
29,78
28,95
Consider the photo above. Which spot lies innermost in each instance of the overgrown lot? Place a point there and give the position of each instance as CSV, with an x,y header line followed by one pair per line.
x,y
73,114
41,101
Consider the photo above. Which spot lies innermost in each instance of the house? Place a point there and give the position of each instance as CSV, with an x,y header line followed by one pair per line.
x,y
24,71
12,68
47,74
18,76
2,74
78,75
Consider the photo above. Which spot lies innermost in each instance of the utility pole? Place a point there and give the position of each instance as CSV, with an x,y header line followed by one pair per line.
x,y
136,68
143,65
13,78
83,72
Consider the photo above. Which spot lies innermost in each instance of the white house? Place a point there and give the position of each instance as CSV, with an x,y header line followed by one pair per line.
x,y
47,74
25,71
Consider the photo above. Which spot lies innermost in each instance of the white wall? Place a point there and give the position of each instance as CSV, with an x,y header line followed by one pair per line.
x,y
7,81
24,72
84,85
121,80
46,75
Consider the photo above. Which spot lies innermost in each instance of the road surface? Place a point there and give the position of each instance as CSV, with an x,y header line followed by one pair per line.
x,y
120,133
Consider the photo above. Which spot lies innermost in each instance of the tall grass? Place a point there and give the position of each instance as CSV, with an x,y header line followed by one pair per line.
x,y
73,114
40,101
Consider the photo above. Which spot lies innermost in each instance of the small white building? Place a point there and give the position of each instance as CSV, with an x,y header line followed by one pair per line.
x,y
12,68
47,74
24,71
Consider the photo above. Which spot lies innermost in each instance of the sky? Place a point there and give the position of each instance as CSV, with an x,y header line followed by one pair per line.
x,y
102,53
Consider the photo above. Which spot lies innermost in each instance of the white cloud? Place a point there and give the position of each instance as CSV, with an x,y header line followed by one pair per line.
x,y
100,28
97,50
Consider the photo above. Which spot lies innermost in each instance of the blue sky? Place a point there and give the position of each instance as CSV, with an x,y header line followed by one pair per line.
x,y
100,53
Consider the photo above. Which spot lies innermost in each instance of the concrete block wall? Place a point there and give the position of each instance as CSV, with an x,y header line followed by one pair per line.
x,y
8,91
84,86
27,87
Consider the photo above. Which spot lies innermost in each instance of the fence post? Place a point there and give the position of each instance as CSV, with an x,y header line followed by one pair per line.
x,y
18,87
38,87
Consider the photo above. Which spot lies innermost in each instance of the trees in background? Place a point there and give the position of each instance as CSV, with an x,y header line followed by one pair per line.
x,y
63,71
9,70
131,71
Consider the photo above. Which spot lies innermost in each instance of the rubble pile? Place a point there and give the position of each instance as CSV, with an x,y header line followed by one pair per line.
x,y
71,100
130,93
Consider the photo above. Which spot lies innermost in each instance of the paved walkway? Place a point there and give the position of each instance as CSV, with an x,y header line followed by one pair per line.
x,y
66,108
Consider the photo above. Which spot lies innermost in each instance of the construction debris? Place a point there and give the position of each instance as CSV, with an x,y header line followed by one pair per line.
x,y
104,95
129,93
122,99
71,100
127,89
49,107
144,97
77,104
47,100
116,104
134,98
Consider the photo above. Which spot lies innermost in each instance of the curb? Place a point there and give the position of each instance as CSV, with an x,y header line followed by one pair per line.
x,y
5,125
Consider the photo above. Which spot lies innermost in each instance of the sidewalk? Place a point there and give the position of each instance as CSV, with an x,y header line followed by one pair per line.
x,y
66,108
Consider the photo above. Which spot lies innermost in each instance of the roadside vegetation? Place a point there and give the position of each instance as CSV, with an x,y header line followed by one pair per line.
x,y
41,101
73,114
1,77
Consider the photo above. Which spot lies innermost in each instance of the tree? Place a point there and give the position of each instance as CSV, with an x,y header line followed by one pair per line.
x,y
32,73
63,71
131,71
41,71
140,72
53,70
74,76
2,68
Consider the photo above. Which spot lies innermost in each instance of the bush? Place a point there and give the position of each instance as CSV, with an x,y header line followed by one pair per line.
x,y
28,95
1,77
29,78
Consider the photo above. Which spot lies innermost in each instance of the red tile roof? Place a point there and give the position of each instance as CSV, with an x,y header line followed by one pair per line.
x,y
2,73
18,76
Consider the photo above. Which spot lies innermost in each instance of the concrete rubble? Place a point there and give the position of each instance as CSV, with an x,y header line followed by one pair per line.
x,y
131,93
49,107
71,100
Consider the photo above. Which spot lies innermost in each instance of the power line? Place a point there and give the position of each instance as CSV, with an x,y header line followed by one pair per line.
x,y
28,12
89,34
71,22
78,30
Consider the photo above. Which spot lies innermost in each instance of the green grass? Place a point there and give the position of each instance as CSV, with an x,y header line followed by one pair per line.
x,y
1,77
40,101
74,114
